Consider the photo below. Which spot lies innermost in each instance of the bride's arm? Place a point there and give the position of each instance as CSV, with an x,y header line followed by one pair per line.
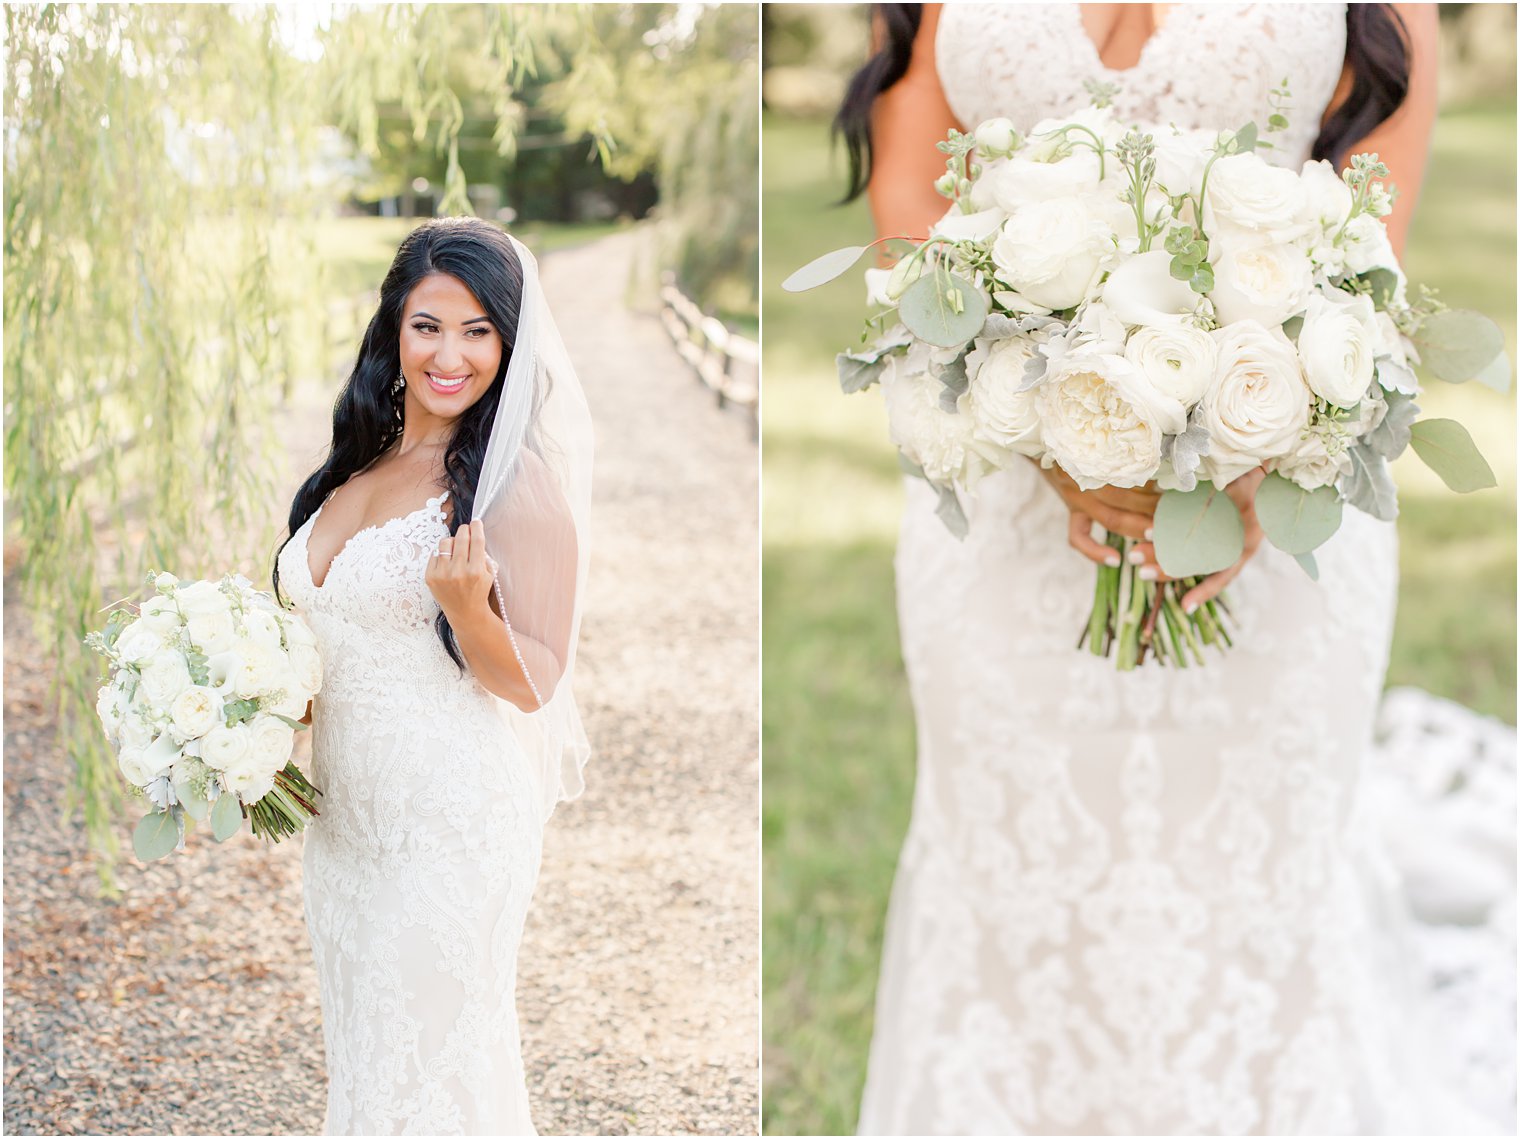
x,y
1403,140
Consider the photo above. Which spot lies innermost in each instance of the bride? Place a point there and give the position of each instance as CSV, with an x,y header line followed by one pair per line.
x,y
439,555
1135,903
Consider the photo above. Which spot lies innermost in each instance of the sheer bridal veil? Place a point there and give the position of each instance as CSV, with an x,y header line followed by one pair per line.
x,y
534,498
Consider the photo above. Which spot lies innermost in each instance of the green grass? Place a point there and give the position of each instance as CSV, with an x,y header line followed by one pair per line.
x,y
837,728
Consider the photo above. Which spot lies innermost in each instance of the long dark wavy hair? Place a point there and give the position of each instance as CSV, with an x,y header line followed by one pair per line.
x,y
371,410
1377,52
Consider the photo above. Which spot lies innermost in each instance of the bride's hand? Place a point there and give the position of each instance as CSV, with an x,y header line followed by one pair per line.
x,y
460,573
1242,493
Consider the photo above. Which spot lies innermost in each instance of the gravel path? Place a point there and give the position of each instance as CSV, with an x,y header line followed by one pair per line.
x,y
189,1006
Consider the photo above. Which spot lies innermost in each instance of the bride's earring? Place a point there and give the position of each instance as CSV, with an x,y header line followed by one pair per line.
x,y
400,378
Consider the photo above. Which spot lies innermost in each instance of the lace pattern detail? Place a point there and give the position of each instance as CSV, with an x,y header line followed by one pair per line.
x,y
419,872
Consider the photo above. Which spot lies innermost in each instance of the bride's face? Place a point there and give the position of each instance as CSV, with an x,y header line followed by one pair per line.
x,y
450,350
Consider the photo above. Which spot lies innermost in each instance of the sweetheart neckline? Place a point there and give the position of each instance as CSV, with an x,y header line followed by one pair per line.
x,y
431,505
1145,48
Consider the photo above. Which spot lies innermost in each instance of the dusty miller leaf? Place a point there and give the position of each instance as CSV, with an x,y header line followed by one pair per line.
x,y
950,512
858,370
1391,435
1368,486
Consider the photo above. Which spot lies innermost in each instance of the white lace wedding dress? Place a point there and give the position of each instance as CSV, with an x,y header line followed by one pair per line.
x,y
1157,902
419,871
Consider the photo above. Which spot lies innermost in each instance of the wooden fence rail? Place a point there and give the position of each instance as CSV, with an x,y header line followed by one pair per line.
x,y
729,364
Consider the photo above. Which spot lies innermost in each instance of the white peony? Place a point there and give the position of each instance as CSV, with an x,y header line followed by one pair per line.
x,y
938,441
137,643
1248,193
1257,404
1266,283
262,670
1005,416
1102,423
306,667
1336,346
1178,360
196,711
164,677
224,747
1143,291
1051,252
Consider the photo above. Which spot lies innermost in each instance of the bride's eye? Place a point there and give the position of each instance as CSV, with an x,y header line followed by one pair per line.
x,y
424,326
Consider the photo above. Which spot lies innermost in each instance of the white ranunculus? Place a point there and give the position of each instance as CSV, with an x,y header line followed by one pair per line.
x,y
1257,404
1250,193
1336,346
248,782
134,730
1044,143
1180,159
1311,464
938,441
1021,181
1367,245
1101,422
195,711
111,707
164,582
270,743
202,597
1178,360
1327,199
996,138
223,747
1051,252
1004,415
306,667
130,760
164,677
159,614
211,631
137,643
1265,283
1143,291
263,670
263,627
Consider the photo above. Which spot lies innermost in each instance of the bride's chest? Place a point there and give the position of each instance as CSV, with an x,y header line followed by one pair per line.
x,y
1206,65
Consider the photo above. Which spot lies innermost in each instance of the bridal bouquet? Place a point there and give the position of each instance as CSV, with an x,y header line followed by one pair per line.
x,y
1164,308
207,683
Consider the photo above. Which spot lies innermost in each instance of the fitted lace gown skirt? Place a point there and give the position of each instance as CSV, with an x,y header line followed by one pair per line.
x,y
1128,903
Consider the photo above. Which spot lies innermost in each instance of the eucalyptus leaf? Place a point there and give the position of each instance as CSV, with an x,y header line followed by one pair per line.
x,y
951,514
1459,345
195,805
1292,327
1446,448
858,371
1368,486
1245,137
155,836
1497,374
1197,531
1381,284
822,270
943,309
226,817
294,725
1310,566
1295,520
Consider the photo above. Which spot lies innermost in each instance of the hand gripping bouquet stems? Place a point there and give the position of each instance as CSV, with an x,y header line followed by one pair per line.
x,y
207,682
1147,307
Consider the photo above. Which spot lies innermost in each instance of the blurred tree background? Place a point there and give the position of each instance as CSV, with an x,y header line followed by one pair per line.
x,y
837,725
200,200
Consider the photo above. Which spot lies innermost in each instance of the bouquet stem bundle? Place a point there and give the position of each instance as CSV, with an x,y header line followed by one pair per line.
x,y
1132,618
287,808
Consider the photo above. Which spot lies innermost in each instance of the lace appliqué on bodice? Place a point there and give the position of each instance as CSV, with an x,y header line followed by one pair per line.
x,y
419,871
1207,65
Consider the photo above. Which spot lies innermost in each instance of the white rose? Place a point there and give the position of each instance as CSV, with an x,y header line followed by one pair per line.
x,y
248,783
1367,246
306,664
1101,422
1310,463
164,677
1265,283
1178,360
211,631
1051,252
1180,159
202,597
287,703
263,670
938,441
1143,291
1021,181
1336,347
996,138
263,627
1326,197
1004,415
1247,192
137,643
130,760
297,632
195,711
224,747
271,743
160,615
134,729
1257,404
